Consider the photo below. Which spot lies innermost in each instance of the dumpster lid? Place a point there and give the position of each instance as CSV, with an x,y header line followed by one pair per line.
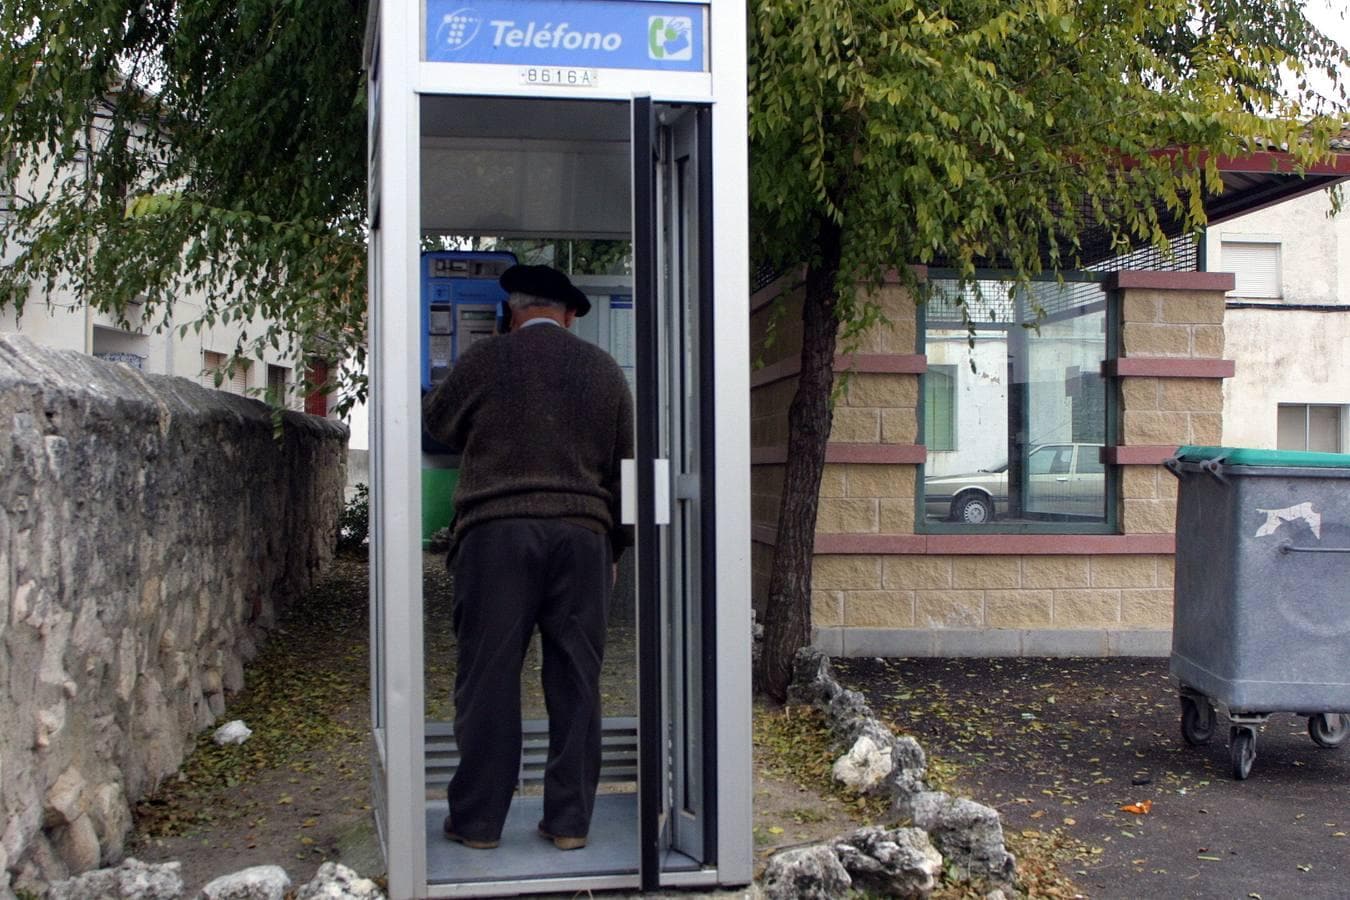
x,y
1245,456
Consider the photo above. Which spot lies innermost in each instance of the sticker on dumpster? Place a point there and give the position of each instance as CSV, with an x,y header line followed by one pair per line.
x,y
1277,517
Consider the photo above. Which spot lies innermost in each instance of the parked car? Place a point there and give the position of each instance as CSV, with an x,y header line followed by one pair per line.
x,y
1062,480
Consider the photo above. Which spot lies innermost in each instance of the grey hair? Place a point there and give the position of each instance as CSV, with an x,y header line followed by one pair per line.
x,y
520,301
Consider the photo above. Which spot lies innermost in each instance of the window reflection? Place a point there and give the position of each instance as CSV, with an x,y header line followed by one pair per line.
x,y
1020,400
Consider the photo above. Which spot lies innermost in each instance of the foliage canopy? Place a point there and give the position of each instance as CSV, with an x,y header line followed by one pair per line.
x,y
199,147
999,131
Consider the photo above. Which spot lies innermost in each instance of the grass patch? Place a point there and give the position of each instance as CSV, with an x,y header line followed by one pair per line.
x,y
314,664
796,745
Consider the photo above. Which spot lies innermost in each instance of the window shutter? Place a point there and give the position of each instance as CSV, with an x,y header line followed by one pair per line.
x,y
1256,267
239,381
211,363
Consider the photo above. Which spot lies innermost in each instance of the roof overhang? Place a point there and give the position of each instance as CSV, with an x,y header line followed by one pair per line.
x,y
1258,180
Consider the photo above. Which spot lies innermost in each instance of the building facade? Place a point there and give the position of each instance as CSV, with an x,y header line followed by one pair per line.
x,y
1287,325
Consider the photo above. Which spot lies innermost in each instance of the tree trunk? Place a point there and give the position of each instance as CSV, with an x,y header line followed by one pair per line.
x,y
787,626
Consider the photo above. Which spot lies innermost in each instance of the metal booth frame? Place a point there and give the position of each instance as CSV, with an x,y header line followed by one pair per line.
x,y
399,79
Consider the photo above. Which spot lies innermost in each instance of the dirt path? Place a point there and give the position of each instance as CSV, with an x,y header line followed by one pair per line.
x,y
298,791
1062,745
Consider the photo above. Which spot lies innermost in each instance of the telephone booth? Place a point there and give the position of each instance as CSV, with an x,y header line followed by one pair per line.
x,y
558,122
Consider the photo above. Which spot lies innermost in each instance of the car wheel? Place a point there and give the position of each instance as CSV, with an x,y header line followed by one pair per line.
x,y
972,509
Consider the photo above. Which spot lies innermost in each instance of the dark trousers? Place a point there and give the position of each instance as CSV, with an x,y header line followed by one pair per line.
x,y
511,575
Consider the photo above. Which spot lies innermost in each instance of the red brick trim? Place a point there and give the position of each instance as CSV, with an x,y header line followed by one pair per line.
x,y
864,363
1265,162
982,544
774,289
838,452
784,368
1052,544
763,534
1171,281
882,363
1169,367
1138,454
887,544
795,277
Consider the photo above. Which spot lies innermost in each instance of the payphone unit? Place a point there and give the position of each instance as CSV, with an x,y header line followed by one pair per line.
x,y
460,296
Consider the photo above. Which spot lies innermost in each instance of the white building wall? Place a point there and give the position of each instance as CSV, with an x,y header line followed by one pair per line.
x,y
981,402
56,319
1284,352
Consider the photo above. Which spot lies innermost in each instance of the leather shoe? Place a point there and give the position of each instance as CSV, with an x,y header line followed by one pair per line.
x,y
560,841
461,839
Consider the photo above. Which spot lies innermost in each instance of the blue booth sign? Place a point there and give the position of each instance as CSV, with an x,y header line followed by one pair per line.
x,y
609,34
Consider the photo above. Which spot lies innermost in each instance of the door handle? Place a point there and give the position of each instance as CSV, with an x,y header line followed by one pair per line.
x,y
661,490
628,492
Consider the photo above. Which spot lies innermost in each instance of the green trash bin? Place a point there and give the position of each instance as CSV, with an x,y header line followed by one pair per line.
x,y
438,500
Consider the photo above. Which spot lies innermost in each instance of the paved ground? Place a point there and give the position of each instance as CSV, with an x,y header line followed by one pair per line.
x,y
1064,744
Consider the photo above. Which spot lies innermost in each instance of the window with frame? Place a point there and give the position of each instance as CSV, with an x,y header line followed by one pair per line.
x,y
277,378
7,193
1026,361
1256,269
234,382
1309,426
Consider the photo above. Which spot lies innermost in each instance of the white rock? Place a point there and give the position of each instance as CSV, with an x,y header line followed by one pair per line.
x,y
812,872
864,766
64,799
50,721
968,834
335,881
235,732
255,883
896,862
79,845
132,880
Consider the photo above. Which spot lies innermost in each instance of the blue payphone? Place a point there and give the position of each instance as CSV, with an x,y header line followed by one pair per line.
x,y
460,295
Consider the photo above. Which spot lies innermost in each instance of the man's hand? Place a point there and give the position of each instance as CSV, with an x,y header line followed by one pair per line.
x,y
614,575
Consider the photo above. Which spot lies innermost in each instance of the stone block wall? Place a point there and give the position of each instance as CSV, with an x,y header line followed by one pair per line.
x,y
880,588
868,486
149,528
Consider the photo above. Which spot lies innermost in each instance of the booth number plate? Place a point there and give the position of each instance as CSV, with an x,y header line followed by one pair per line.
x,y
559,76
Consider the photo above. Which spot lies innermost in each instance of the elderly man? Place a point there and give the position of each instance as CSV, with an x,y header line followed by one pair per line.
x,y
543,420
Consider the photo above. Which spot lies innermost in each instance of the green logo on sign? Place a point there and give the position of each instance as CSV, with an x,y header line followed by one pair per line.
x,y
669,37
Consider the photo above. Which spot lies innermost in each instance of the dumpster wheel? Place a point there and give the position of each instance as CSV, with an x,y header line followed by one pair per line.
x,y
1242,749
1329,730
1197,720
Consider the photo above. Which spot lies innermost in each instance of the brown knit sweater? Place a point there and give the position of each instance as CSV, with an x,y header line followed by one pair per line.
x,y
542,419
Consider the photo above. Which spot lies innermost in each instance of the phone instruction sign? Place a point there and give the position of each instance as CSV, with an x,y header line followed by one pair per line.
x,y
594,34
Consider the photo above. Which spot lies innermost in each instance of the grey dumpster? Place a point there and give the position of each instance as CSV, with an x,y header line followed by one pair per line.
x,y
1261,619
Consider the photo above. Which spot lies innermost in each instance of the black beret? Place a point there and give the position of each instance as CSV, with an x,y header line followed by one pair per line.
x,y
546,282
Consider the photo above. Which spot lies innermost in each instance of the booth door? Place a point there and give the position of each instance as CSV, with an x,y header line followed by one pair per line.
x,y
672,283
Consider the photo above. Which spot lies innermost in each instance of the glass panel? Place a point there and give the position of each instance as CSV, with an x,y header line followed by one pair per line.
x,y
1026,363
1292,428
1324,429
602,270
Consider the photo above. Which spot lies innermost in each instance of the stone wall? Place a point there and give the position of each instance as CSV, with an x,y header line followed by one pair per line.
x,y
149,528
